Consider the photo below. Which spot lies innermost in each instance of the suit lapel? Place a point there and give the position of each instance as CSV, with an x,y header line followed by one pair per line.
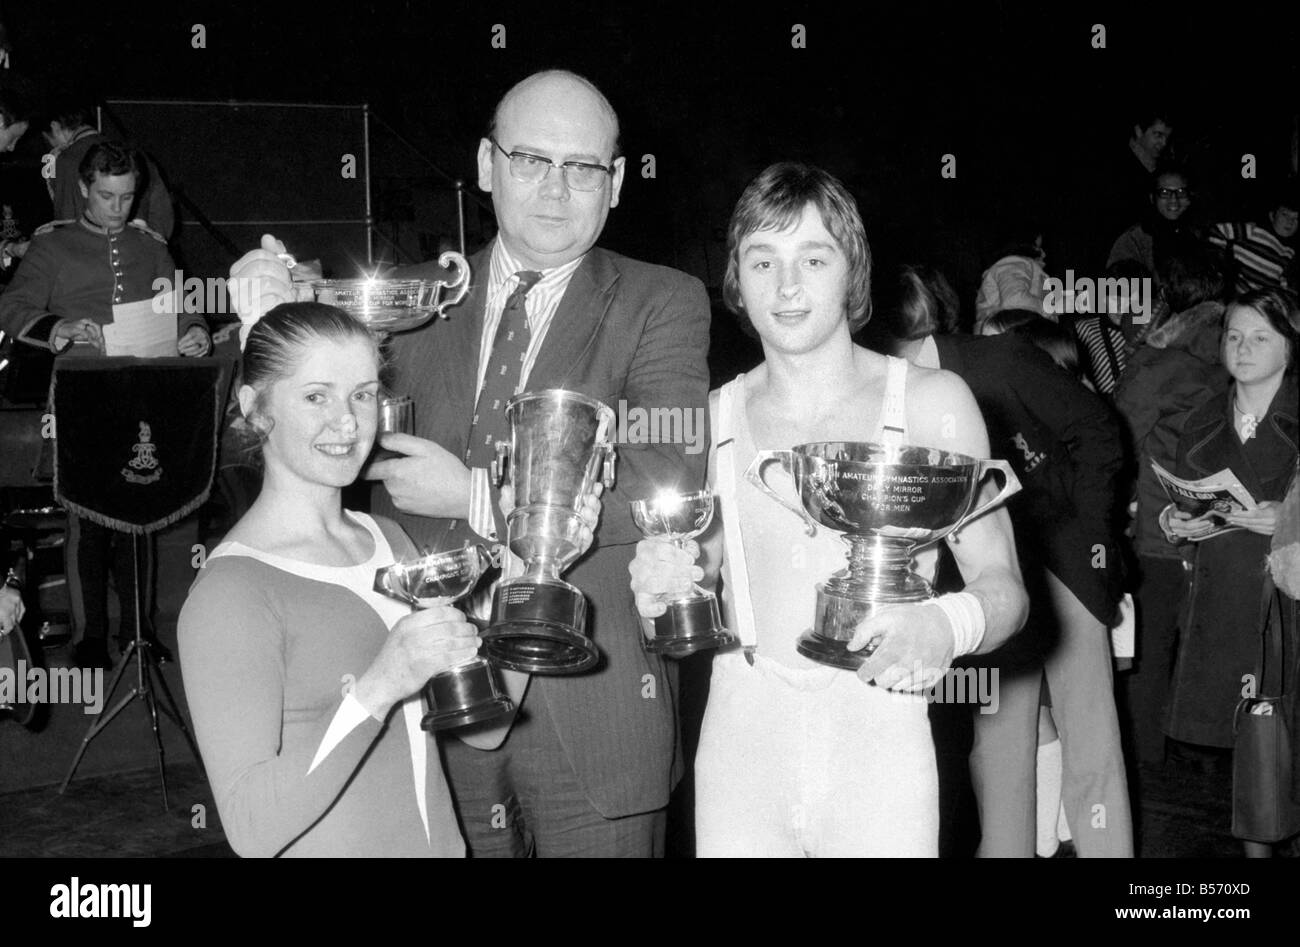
x,y
577,321
460,362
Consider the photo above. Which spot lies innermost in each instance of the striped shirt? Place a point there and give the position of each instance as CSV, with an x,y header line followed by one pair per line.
x,y
1104,350
540,306
1261,258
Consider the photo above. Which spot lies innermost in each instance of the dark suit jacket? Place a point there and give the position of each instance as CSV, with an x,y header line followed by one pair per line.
x,y
1064,444
625,331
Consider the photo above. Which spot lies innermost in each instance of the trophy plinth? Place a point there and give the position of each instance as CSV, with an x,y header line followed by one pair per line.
x,y
692,622
888,501
559,446
467,694
470,692
537,623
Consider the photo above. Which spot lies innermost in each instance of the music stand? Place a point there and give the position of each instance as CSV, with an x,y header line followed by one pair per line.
x,y
136,450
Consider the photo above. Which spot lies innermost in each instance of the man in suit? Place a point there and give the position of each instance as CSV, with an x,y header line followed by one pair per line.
x,y
590,760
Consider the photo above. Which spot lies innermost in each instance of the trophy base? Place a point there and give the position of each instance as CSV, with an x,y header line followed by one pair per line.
x,y
536,629
689,625
832,653
454,717
838,617
464,695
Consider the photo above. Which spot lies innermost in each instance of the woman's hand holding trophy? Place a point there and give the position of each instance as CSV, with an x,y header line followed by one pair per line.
x,y
424,643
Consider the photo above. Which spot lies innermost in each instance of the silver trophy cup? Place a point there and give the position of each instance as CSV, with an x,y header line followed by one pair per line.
x,y
692,621
559,445
395,305
887,502
470,692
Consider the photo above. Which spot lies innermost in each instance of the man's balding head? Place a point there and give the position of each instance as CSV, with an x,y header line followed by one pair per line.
x,y
549,120
557,82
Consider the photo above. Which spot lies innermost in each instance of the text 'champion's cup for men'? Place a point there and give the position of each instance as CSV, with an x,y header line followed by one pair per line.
x,y
472,691
887,501
559,445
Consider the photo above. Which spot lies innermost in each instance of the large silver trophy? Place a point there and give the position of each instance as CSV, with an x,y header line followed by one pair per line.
x,y
395,305
888,502
559,445
692,621
470,692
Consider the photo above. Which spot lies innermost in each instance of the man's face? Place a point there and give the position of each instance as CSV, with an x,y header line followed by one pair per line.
x,y
546,223
109,199
1154,139
794,284
10,134
1172,196
1284,221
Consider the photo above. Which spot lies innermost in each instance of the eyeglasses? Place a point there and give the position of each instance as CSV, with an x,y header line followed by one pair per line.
x,y
530,169
1178,193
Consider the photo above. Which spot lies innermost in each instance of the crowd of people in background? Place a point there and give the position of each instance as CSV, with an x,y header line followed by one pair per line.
x,y
1182,353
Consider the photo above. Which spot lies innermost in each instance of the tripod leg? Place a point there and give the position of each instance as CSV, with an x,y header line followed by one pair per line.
x,y
151,704
147,663
100,722
117,675
170,707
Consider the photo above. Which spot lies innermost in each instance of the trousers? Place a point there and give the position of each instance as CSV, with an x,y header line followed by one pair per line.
x,y
798,763
525,800
1094,787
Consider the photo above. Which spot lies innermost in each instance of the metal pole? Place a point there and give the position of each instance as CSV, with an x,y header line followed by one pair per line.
x,y
370,223
460,212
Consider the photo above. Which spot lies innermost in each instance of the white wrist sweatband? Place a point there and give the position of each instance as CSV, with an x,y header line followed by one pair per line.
x,y
967,618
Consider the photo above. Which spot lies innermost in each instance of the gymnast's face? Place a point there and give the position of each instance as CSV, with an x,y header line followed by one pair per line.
x,y
322,415
794,284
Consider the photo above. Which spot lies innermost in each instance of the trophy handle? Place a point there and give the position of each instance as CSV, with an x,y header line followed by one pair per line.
x,y
385,587
486,559
498,469
1010,485
607,471
460,284
754,474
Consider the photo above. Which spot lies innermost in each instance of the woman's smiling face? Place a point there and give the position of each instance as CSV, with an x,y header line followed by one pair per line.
x,y
323,415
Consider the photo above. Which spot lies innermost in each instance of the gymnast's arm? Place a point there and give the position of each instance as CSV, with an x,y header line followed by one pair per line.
x,y
232,641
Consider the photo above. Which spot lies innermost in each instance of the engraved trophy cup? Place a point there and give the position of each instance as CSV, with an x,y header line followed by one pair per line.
x,y
469,692
559,445
395,305
887,502
692,621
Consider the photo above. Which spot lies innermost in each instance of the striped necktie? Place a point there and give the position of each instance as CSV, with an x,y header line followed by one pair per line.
x,y
500,384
